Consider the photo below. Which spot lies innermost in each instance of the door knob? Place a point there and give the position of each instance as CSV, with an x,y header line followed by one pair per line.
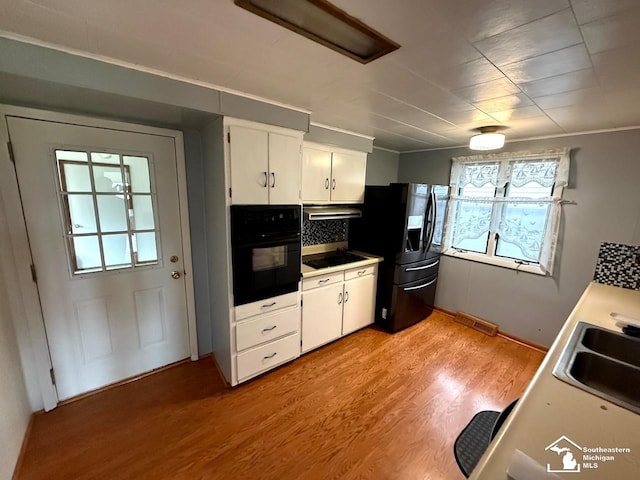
x,y
175,274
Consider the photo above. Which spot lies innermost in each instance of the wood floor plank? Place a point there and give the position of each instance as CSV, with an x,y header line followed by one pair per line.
x,y
370,406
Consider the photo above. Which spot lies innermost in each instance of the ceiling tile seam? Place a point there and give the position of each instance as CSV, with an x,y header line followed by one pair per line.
x,y
518,86
412,126
595,73
403,136
438,117
526,23
438,87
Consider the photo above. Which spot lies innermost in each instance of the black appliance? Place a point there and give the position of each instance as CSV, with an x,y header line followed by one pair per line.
x,y
403,223
266,251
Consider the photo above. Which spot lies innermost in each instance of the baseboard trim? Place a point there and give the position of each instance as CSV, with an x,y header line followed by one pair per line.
x,y
522,341
506,336
123,382
23,448
445,312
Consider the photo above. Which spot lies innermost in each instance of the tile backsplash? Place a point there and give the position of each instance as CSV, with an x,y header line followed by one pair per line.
x,y
316,232
618,265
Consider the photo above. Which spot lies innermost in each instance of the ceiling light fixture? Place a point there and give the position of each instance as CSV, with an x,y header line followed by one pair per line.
x,y
487,139
323,22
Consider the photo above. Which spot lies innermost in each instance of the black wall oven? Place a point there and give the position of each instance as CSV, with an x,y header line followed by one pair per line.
x,y
266,251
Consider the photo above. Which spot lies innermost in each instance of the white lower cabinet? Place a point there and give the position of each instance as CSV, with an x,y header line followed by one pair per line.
x,y
337,309
359,303
267,334
265,357
321,316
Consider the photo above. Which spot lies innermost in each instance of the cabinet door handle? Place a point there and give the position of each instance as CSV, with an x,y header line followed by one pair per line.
x,y
273,178
322,282
269,305
326,183
346,297
333,182
269,329
339,298
265,179
270,356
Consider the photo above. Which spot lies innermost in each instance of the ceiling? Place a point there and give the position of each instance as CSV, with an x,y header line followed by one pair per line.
x,y
544,67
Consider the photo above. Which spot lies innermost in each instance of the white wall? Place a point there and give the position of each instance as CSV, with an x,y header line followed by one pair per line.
x,y
14,406
382,167
605,170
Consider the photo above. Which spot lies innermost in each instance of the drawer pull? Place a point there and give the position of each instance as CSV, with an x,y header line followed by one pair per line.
x,y
424,267
361,272
417,287
269,305
265,330
270,356
322,282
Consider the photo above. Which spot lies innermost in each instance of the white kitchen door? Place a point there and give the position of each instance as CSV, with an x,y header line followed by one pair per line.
x,y
103,218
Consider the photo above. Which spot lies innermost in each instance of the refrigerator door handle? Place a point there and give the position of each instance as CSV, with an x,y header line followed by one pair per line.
x,y
431,216
417,287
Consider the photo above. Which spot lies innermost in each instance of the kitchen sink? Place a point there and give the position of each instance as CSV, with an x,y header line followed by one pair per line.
x,y
603,363
613,345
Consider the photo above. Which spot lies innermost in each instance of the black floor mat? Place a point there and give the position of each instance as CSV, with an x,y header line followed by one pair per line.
x,y
474,440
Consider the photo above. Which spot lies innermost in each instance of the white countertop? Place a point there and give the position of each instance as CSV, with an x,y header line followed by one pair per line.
x,y
550,408
308,271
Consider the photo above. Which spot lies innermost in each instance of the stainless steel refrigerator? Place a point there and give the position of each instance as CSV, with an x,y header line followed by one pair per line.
x,y
403,223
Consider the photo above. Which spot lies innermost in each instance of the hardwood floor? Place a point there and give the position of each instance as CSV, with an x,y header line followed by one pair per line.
x,y
369,406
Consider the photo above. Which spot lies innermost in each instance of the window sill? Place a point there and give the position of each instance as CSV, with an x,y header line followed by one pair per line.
x,y
496,261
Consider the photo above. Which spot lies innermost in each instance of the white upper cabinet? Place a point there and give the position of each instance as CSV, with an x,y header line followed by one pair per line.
x,y
348,176
316,175
249,154
264,166
284,169
331,175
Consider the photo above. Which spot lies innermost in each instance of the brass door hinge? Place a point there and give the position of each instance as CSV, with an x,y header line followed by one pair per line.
x,y
34,275
53,376
228,137
229,192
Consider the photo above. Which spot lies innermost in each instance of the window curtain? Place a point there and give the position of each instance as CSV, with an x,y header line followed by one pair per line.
x,y
549,168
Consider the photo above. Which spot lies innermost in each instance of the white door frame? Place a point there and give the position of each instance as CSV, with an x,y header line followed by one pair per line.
x,y
24,300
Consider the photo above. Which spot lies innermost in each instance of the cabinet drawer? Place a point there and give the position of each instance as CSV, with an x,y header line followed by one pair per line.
x,y
322,280
267,327
267,305
410,272
359,272
268,356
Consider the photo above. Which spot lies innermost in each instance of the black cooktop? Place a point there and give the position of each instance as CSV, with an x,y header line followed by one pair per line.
x,y
331,259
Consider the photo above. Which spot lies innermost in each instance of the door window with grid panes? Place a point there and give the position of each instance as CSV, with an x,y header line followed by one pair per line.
x,y
108,210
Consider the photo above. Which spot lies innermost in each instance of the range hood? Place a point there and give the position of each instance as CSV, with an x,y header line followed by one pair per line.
x,y
331,212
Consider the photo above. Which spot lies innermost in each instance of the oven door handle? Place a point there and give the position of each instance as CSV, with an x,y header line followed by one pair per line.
x,y
269,241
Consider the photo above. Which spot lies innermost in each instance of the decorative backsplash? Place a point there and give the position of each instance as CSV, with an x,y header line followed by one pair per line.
x,y
316,232
618,265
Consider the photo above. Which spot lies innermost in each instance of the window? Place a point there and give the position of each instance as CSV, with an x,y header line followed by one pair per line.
x,y
504,209
108,211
